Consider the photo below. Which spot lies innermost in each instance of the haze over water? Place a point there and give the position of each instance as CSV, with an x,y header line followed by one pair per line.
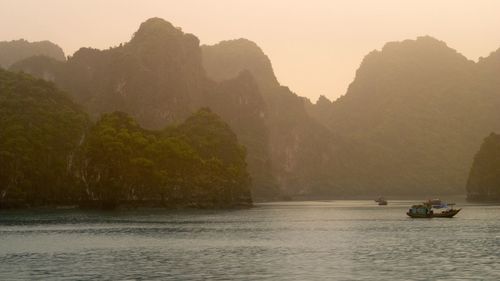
x,y
330,240
177,117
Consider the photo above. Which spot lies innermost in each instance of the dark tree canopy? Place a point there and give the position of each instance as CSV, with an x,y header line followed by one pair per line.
x,y
40,131
158,78
52,154
408,125
199,163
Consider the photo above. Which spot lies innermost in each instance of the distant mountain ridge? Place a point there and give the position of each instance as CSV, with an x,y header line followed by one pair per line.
x,y
157,76
159,79
300,147
17,50
419,110
409,123
226,59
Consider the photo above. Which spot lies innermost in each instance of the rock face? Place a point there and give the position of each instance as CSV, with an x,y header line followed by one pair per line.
x,y
484,177
17,50
416,110
408,125
228,58
239,102
158,78
301,148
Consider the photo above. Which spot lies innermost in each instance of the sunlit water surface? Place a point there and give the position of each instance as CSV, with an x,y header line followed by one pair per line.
x,y
329,240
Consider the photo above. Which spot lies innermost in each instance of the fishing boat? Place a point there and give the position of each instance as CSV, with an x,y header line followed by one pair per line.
x,y
426,211
381,201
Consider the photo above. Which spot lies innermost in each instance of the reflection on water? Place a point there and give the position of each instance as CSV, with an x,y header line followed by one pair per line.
x,y
330,240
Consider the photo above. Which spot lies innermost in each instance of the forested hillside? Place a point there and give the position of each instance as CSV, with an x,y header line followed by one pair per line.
x,y
417,111
51,154
41,129
408,125
158,78
484,177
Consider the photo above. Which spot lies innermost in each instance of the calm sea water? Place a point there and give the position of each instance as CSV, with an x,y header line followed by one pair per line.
x,y
331,240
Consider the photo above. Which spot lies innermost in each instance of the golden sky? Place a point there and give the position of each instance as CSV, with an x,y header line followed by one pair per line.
x,y
315,45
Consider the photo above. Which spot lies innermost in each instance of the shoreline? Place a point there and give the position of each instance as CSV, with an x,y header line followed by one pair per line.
x,y
126,205
141,205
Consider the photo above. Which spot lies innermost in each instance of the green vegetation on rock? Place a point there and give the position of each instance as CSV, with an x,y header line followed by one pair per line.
x,y
40,130
408,125
52,155
198,163
413,118
484,177
158,78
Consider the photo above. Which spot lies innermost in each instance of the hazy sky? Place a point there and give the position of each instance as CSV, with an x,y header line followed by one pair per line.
x,y
315,46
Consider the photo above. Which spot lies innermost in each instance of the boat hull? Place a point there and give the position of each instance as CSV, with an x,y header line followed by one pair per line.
x,y
445,214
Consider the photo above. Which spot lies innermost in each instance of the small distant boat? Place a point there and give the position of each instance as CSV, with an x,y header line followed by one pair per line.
x,y
381,201
425,211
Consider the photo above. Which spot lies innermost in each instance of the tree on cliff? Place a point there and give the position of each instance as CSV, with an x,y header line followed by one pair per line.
x,y
198,162
40,131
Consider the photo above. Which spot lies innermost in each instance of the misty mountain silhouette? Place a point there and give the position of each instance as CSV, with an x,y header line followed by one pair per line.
x,y
409,123
16,50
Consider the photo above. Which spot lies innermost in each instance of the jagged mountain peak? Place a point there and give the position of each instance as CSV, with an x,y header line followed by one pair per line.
x,y
155,26
422,46
227,59
421,41
418,61
242,43
159,35
322,100
18,50
493,56
491,63
423,49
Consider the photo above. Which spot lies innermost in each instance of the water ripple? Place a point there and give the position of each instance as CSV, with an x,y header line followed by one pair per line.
x,y
338,240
